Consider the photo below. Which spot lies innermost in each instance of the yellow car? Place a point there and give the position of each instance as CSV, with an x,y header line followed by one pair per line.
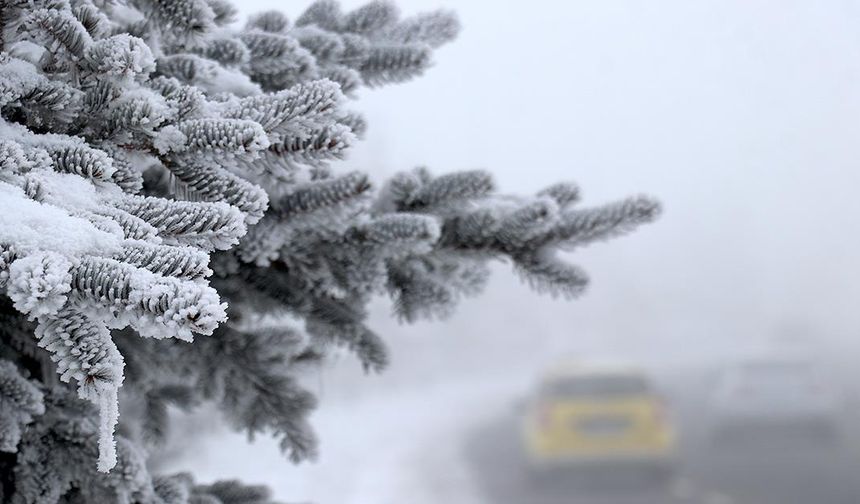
x,y
597,416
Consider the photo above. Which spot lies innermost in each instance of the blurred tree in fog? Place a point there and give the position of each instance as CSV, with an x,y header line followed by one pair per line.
x,y
155,160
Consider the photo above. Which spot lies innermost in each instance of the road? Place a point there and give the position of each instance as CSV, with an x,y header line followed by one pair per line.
x,y
456,443
795,472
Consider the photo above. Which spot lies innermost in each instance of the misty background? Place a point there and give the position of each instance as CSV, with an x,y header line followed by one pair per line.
x,y
741,116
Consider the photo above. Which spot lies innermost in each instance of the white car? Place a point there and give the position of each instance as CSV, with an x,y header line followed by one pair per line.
x,y
771,397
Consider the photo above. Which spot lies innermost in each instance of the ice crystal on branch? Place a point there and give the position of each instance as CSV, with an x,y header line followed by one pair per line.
x,y
161,169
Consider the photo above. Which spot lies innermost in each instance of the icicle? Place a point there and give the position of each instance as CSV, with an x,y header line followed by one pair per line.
x,y
108,417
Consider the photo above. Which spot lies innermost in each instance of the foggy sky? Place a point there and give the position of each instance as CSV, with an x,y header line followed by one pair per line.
x,y
740,115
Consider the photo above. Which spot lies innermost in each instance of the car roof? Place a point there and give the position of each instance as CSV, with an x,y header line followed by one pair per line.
x,y
766,361
585,369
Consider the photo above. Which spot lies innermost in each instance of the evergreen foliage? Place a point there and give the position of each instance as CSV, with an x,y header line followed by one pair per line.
x,y
165,175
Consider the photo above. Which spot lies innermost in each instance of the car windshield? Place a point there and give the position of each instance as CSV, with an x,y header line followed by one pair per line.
x,y
597,386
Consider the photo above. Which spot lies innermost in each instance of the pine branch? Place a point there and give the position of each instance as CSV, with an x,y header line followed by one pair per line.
x,y
206,225
20,401
141,136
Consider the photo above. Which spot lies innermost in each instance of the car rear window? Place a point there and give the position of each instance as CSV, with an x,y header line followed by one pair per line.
x,y
597,386
776,373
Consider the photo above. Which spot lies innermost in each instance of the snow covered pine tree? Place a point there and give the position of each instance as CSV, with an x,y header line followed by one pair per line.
x,y
163,174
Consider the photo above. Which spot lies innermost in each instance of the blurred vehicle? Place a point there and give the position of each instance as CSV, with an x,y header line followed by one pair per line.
x,y
598,417
782,398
